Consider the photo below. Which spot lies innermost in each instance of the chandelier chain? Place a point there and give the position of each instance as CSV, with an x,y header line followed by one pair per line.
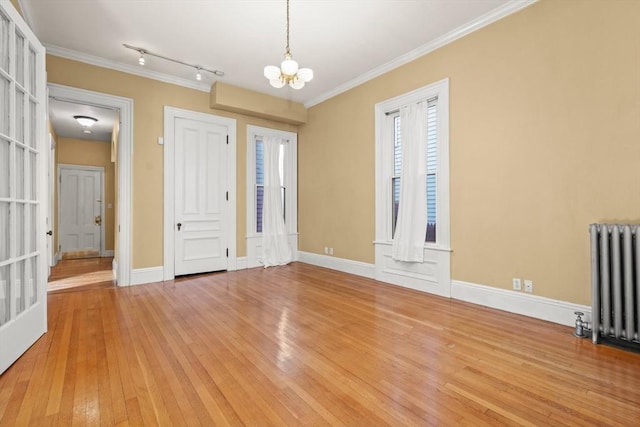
x,y
288,50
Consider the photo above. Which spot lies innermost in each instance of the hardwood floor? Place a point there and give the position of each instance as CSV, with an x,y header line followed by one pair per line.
x,y
302,345
81,274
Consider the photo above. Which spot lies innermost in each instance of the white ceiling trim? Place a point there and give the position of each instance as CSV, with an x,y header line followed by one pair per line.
x,y
476,24
126,68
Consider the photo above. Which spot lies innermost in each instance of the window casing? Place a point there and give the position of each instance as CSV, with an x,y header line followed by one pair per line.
x,y
433,275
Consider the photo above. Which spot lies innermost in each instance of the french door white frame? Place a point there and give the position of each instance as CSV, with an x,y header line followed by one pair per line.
x,y
125,162
100,169
170,115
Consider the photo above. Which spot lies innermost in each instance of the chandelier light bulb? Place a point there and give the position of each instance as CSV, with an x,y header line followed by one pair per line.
x,y
271,72
305,74
296,84
289,66
277,83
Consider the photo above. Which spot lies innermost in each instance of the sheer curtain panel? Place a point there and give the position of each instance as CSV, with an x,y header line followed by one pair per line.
x,y
275,243
408,241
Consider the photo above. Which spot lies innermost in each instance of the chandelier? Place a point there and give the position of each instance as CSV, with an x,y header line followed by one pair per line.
x,y
288,72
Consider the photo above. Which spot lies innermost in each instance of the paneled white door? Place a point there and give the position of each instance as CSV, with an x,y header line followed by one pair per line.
x,y
23,171
80,205
200,196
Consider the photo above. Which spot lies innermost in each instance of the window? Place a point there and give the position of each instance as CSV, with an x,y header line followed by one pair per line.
x,y
255,187
431,167
259,181
434,273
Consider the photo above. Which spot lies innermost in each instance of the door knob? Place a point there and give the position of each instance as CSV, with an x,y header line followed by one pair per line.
x,y
49,233
179,225
98,220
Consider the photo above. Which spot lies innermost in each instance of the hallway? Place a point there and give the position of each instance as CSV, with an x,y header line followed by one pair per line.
x,y
81,274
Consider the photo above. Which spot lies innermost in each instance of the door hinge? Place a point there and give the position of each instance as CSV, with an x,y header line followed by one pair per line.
x,y
227,139
227,196
227,252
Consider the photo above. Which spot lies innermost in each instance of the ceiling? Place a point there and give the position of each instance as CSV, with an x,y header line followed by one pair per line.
x,y
345,42
61,114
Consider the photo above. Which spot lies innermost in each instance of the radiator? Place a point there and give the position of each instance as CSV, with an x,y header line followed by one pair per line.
x,y
615,284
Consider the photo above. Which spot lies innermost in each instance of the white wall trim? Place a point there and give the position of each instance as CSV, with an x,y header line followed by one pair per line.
x,y
140,276
478,23
107,253
125,162
345,265
241,263
126,68
519,302
170,114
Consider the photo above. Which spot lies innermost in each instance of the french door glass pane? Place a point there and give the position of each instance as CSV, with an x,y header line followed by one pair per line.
x,y
4,42
33,230
20,286
5,87
33,168
20,59
33,283
20,235
19,118
5,294
5,146
19,173
5,241
32,72
32,123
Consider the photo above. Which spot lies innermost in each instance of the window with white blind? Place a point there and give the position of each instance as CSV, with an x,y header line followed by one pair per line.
x,y
431,161
433,274
255,186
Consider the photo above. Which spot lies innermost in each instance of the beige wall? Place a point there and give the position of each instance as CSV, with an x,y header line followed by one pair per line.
x,y
92,153
150,97
544,139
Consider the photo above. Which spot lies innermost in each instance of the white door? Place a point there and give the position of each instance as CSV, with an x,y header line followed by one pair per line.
x,y
80,204
51,179
23,166
200,196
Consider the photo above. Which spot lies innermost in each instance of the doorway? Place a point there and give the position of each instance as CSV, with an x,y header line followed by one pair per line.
x,y
122,156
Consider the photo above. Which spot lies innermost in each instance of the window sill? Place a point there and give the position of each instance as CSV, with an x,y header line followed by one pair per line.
x,y
429,246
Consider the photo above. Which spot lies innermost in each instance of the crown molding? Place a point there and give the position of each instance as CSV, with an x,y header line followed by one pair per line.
x,y
125,68
478,23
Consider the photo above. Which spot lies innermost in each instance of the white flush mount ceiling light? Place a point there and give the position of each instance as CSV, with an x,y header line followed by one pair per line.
x,y
288,72
86,122
199,68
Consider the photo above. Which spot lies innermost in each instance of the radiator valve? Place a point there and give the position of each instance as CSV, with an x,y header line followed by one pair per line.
x,y
580,331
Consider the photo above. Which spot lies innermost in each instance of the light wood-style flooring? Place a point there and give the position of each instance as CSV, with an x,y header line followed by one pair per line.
x,y
81,274
303,345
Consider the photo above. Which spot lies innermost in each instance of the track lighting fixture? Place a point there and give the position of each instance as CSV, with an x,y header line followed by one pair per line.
x,y
141,60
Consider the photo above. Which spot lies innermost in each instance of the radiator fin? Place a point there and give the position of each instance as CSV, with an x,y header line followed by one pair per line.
x,y
615,289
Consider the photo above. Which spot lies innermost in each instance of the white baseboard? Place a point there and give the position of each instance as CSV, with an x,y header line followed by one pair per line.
x,y
140,276
114,270
520,303
57,257
345,265
241,263
107,253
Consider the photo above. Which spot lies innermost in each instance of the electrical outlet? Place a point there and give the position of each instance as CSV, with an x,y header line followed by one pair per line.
x,y
528,286
326,249
330,251
517,284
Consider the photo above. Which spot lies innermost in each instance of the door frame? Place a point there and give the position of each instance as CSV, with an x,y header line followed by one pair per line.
x,y
122,259
100,169
170,115
51,171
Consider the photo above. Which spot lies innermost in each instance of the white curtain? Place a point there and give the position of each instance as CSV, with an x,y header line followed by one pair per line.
x,y
275,243
411,226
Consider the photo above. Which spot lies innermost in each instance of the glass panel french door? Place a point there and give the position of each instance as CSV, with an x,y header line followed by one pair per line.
x,y
23,310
